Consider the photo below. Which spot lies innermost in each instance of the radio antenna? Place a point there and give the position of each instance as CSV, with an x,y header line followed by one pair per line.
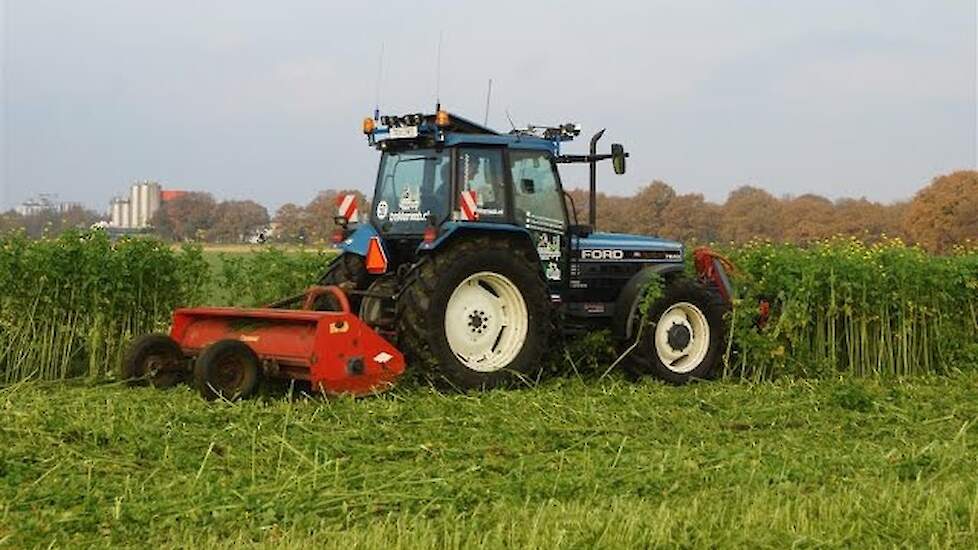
x,y
438,75
488,97
380,76
510,119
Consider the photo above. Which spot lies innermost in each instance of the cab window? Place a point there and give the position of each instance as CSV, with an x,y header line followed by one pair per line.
x,y
412,187
537,196
481,170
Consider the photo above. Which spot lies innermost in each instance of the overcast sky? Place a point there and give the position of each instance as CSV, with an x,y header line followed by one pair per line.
x,y
263,100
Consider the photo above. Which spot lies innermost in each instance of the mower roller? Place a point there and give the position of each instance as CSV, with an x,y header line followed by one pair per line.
x,y
472,261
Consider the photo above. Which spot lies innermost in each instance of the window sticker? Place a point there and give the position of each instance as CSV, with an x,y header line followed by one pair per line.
x,y
410,216
490,211
534,221
548,246
409,199
382,210
553,271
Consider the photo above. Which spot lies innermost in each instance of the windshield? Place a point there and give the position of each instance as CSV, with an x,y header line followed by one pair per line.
x,y
412,186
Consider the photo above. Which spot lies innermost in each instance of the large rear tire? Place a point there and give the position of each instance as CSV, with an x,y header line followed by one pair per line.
x,y
477,312
683,337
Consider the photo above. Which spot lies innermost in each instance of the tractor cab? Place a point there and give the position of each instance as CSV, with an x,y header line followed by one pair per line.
x,y
443,168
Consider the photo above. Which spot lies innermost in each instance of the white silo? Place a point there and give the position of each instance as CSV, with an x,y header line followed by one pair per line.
x,y
144,204
134,193
117,212
125,213
153,195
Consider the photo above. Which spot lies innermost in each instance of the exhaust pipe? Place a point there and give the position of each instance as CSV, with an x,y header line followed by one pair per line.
x,y
592,200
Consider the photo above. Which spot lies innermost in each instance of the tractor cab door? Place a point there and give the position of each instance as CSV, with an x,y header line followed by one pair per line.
x,y
539,207
481,177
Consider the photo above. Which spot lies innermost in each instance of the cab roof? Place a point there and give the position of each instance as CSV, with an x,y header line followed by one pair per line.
x,y
460,131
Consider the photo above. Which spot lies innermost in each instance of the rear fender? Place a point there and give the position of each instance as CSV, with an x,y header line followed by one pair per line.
x,y
359,241
626,306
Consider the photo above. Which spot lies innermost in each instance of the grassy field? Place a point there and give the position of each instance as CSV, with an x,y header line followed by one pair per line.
x,y
571,463
812,457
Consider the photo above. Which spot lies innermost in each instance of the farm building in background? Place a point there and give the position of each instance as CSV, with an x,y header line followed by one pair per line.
x,y
44,203
136,210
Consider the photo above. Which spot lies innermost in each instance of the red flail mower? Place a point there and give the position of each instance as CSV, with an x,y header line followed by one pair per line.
x,y
228,350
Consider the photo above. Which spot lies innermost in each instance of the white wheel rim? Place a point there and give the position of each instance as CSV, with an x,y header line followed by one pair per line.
x,y
682,337
486,322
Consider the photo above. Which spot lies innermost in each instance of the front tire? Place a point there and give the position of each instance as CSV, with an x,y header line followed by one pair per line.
x,y
683,337
477,312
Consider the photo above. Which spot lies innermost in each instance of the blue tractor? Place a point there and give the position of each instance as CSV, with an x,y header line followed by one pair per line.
x,y
472,260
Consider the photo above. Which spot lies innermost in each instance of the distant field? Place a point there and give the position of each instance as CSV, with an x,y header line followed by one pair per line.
x,y
575,464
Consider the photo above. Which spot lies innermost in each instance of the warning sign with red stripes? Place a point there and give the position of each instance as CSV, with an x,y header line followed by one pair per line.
x,y
468,206
346,205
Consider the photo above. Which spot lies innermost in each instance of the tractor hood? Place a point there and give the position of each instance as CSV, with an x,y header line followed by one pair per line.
x,y
637,247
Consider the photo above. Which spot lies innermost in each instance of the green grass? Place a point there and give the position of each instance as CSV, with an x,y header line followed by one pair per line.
x,y
855,463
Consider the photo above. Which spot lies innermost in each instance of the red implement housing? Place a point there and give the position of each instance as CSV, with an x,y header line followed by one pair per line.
x,y
713,268
334,350
716,269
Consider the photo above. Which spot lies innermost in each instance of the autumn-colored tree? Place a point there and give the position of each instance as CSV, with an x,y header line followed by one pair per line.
x,y
945,212
751,213
313,223
235,221
643,212
321,211
867,220
611,210
319,215
690,218
290,223
186,217
807,218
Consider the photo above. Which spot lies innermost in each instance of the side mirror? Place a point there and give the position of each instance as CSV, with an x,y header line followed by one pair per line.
x,y
527,186
618,156
580,230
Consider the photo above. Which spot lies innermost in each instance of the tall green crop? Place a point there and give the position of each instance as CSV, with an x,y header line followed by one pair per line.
x,y
266,275
69,305
843,306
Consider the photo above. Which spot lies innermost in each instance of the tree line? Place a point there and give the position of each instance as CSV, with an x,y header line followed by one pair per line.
x,y
940,216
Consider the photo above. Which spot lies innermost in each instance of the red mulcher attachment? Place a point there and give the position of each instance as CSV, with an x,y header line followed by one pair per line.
x,y
713,268
334,350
